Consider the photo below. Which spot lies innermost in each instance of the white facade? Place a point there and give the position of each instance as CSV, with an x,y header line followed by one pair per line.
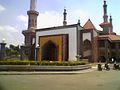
x,y
33,4
87,36
95,33
72,33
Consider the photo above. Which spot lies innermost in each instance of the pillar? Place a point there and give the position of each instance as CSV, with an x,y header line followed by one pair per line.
x,y
2,51
106,51
117,51
21,53
37,54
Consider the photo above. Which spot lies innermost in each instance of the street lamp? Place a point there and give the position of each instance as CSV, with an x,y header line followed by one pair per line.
x,y
78,57
3,40
36,53
2,50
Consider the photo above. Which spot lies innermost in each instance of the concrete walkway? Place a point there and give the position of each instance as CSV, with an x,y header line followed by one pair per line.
x,y
46,72
94,68
90,80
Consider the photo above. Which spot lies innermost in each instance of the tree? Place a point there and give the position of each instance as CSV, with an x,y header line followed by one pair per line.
x,y
12,51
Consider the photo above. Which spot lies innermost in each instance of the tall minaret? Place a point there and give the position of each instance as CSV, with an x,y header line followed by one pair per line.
x,y
105,16
32,23
29,34
64,17
110,20
33,5
105,25
32,15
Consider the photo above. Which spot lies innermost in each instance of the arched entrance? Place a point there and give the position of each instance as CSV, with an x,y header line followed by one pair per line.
x,y
87,52
49,51
87,45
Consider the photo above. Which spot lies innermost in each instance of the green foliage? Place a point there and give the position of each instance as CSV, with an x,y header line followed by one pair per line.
x,y
17,62
42,63
12,52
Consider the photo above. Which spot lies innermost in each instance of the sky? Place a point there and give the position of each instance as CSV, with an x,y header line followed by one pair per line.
x,y
14,19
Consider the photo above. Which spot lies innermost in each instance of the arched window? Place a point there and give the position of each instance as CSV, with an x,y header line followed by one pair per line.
x,y
87,45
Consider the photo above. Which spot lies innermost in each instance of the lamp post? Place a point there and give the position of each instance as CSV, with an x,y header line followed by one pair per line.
x,y
2,50
22,51
78,57
36,53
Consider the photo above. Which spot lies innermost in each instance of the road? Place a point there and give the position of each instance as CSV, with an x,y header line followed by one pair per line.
x,y
94,80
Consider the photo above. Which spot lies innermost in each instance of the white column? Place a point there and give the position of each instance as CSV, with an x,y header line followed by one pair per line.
x,y
33,4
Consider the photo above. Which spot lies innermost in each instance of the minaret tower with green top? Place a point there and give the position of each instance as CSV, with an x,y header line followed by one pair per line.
x,y
107,26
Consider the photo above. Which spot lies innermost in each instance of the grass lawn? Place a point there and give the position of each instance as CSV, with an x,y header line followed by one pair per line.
x,y
95,80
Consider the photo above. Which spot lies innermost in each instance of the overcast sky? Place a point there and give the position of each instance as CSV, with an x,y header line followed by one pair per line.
x,y
13,17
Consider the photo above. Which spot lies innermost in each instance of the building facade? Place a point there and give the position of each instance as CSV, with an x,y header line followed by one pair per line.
x,y
73,42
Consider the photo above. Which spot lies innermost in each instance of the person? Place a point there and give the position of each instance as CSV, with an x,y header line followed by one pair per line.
x,y
116,66
107,66
99,67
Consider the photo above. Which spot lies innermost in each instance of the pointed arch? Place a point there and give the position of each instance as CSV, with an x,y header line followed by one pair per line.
x,y
87,45
49,51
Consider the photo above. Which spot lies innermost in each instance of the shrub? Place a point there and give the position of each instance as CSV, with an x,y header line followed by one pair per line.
x,y
17,62
64,63
43,63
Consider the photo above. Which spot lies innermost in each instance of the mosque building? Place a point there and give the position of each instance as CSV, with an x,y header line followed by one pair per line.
x,y
70,42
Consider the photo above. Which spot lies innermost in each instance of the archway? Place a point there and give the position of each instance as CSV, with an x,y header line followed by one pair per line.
x,y
87,45
49,51
87,52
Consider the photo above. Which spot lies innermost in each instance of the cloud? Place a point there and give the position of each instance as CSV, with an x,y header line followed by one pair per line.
x,y
46,19
2,8
8,28
80,13
23,19
10,33
49,19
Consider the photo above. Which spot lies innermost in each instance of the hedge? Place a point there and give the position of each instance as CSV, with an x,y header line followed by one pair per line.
x,y
64,63
17,62
43,63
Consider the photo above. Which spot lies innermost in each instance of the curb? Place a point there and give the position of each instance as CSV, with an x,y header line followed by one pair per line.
x,y
32,68
47,72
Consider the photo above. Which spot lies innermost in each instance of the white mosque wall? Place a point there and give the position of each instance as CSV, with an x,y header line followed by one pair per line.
x,y
87,36
72,33
80,28
94,33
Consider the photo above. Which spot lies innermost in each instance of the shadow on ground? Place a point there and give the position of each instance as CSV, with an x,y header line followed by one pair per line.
x,y
1,87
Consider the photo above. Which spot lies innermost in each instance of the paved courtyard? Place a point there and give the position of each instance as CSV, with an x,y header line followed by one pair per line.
x,y
94,80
